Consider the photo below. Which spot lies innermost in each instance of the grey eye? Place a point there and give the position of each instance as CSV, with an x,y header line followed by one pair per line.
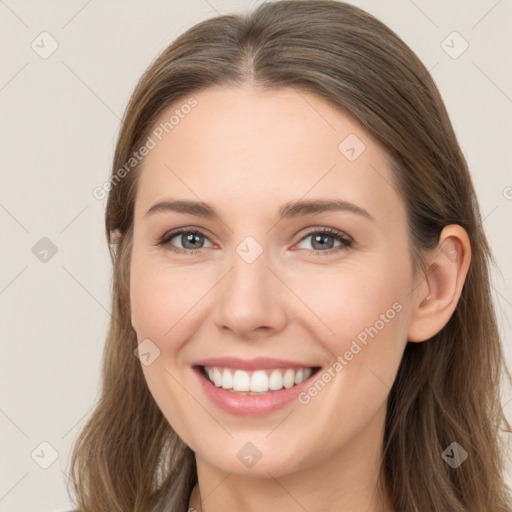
x,y
321,241
187,240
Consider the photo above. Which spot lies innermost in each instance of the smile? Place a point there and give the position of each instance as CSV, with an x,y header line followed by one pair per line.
x,y
258,381
261,388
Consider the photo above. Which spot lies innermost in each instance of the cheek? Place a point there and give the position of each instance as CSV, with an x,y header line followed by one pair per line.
x,y
366,309
162,304
361,309
161,296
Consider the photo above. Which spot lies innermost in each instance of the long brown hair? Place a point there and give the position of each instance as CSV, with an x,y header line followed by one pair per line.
x,y
127,457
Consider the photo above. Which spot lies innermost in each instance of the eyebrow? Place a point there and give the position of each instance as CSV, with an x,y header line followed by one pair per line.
x,y
291,209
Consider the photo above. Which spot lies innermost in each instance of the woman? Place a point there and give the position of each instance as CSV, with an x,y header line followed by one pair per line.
x,y
302,317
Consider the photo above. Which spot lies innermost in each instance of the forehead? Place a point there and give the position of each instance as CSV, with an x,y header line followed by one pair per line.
x,y
251,145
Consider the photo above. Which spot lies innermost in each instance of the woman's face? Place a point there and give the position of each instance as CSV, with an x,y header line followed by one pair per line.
x,y
253,275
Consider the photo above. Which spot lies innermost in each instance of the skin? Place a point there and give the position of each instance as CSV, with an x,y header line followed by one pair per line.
x,y
246,152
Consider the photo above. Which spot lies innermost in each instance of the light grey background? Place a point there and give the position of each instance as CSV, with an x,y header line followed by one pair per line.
x,y
60,116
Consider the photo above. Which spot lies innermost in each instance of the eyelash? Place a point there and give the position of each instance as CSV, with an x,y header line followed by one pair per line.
x,y
346,242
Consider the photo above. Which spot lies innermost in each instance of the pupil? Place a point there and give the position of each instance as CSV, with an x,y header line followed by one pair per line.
x,y
323,244
190,239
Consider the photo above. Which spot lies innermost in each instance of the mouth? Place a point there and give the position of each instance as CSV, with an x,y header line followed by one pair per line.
x,y
256,382
253,387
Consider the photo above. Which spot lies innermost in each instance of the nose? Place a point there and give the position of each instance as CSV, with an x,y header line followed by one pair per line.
x,y
252,299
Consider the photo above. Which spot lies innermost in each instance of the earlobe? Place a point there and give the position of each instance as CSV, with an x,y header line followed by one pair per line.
x,y
436,296
115,237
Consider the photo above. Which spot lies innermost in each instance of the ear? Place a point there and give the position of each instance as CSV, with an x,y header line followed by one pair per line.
x,y
115,236
436,295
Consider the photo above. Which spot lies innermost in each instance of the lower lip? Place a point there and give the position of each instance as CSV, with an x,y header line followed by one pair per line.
x,y
250,405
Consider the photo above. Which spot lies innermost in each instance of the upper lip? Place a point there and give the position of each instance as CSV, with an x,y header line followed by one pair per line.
x,y
258,363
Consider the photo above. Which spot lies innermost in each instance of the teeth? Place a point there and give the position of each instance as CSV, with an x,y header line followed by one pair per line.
x,y
276,380
241,381
259,381
217,377
227,380
289,379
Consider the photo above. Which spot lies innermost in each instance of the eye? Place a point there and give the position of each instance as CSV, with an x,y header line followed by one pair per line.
x,y
323,240
191,240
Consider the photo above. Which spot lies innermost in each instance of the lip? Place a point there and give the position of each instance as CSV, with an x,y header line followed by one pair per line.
x,y
258,363
250,405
